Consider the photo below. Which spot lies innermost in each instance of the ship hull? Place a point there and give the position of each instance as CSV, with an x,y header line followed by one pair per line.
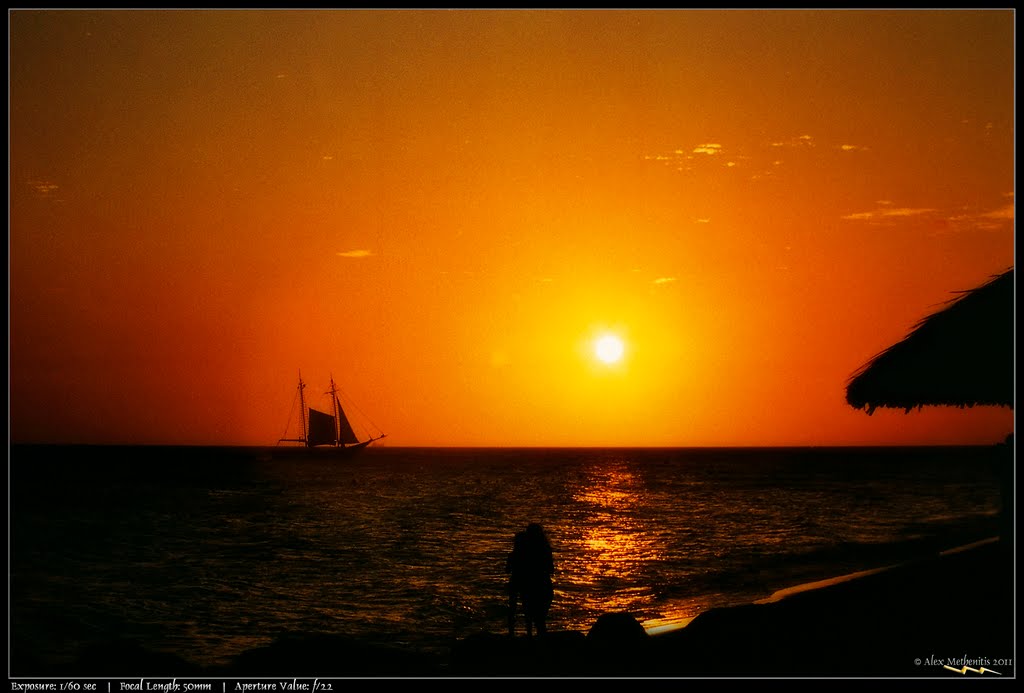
x,y
324,452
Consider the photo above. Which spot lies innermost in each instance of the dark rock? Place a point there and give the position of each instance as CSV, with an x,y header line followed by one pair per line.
x,y
618,645
618,630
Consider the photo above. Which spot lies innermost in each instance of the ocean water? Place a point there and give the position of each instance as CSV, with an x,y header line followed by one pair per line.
x,y
208,552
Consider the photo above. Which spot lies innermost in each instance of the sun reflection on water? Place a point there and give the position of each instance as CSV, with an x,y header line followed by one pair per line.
x,y
613,544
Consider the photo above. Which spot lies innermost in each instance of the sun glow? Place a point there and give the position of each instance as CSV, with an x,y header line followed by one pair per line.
x,y
609,348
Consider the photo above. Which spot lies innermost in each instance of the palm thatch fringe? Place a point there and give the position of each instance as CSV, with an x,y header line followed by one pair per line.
x,y
962,356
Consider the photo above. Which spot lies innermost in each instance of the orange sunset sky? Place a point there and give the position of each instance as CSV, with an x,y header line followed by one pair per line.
x,y
445,209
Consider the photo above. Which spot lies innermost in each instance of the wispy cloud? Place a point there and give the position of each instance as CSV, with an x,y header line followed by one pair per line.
x,y
888,212
355,253
43,188
906,211
943,221
767,159
1006,212
665,280
801,141
708,149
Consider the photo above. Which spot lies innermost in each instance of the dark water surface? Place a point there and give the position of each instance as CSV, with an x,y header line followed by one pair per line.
x,y
208,552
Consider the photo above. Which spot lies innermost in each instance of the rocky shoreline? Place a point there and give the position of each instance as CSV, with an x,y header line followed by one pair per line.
x,y
950,614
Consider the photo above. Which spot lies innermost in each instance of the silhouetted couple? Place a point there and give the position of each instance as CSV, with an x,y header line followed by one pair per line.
x,y
530,565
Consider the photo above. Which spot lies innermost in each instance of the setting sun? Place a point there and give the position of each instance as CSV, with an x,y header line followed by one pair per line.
x,y
609,349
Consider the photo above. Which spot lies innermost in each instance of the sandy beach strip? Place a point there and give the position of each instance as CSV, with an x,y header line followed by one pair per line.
x,y
908,620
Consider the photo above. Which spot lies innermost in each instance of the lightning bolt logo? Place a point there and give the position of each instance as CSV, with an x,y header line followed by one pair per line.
x,y
964,670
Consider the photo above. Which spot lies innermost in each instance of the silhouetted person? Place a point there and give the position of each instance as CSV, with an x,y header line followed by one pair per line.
x,y
530,566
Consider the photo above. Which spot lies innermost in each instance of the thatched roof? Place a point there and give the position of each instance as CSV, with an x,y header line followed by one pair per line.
x,y
960,356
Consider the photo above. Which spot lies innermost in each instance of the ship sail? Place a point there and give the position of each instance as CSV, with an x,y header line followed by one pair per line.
x,y
345,433
321,429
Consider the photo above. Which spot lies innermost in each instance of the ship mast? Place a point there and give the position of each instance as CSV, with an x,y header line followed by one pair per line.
x,y
337,422
302,409
302,418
